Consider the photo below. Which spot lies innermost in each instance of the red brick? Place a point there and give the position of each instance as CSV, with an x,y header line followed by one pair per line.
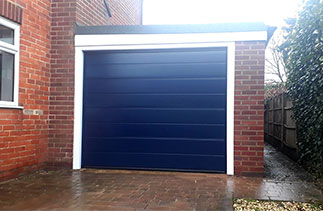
x,y
46,70
250,72
11,11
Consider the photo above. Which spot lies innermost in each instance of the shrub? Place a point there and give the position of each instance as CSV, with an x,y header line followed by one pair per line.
x,y
303,55
274,89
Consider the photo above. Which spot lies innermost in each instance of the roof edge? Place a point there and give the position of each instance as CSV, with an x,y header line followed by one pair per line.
x,y
171,29
270,32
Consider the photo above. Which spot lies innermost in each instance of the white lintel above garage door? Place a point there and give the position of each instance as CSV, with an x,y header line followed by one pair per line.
x,y
154,39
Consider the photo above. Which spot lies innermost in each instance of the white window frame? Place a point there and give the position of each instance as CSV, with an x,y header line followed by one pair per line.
x,y
84,43
12,49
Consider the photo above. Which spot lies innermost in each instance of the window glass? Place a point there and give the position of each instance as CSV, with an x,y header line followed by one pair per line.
x,y
6,76
6,35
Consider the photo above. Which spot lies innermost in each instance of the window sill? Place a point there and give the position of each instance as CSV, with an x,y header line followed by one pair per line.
x,y
11,107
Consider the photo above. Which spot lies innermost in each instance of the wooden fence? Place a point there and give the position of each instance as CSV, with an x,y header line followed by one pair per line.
x,y
280,128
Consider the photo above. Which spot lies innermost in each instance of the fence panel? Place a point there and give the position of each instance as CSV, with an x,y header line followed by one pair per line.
x,y
280,128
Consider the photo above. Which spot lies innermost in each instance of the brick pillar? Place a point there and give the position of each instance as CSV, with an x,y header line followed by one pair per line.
x,y
249,108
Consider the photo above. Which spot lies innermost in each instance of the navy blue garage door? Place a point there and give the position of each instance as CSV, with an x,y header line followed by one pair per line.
x,y
155,109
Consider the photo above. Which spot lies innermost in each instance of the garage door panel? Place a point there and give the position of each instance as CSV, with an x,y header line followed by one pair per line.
x,y
156,56
157,161
156,100
149,130
156,70
156,86
179,116
155,109
156,145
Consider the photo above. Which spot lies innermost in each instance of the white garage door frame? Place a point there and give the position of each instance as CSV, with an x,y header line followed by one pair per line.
x,y
103,42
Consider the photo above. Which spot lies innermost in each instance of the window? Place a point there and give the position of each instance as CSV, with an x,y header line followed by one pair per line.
x,y
6,34
9,62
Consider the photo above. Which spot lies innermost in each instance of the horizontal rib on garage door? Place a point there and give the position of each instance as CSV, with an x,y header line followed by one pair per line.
x,y
155,109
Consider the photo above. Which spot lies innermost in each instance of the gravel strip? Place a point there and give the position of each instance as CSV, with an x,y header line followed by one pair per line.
x,y
255,205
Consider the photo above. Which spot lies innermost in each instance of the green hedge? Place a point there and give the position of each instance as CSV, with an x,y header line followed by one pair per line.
x,y
303,55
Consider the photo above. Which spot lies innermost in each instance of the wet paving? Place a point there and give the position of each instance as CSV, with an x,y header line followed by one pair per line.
x,y
91,189
279,167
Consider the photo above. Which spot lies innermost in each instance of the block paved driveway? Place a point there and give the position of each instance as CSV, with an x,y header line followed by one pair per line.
x,y
147,190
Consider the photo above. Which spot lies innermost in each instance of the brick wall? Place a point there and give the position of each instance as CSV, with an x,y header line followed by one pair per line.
x,y
30,141
85,10
64,14
125,12
249,108
24,137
